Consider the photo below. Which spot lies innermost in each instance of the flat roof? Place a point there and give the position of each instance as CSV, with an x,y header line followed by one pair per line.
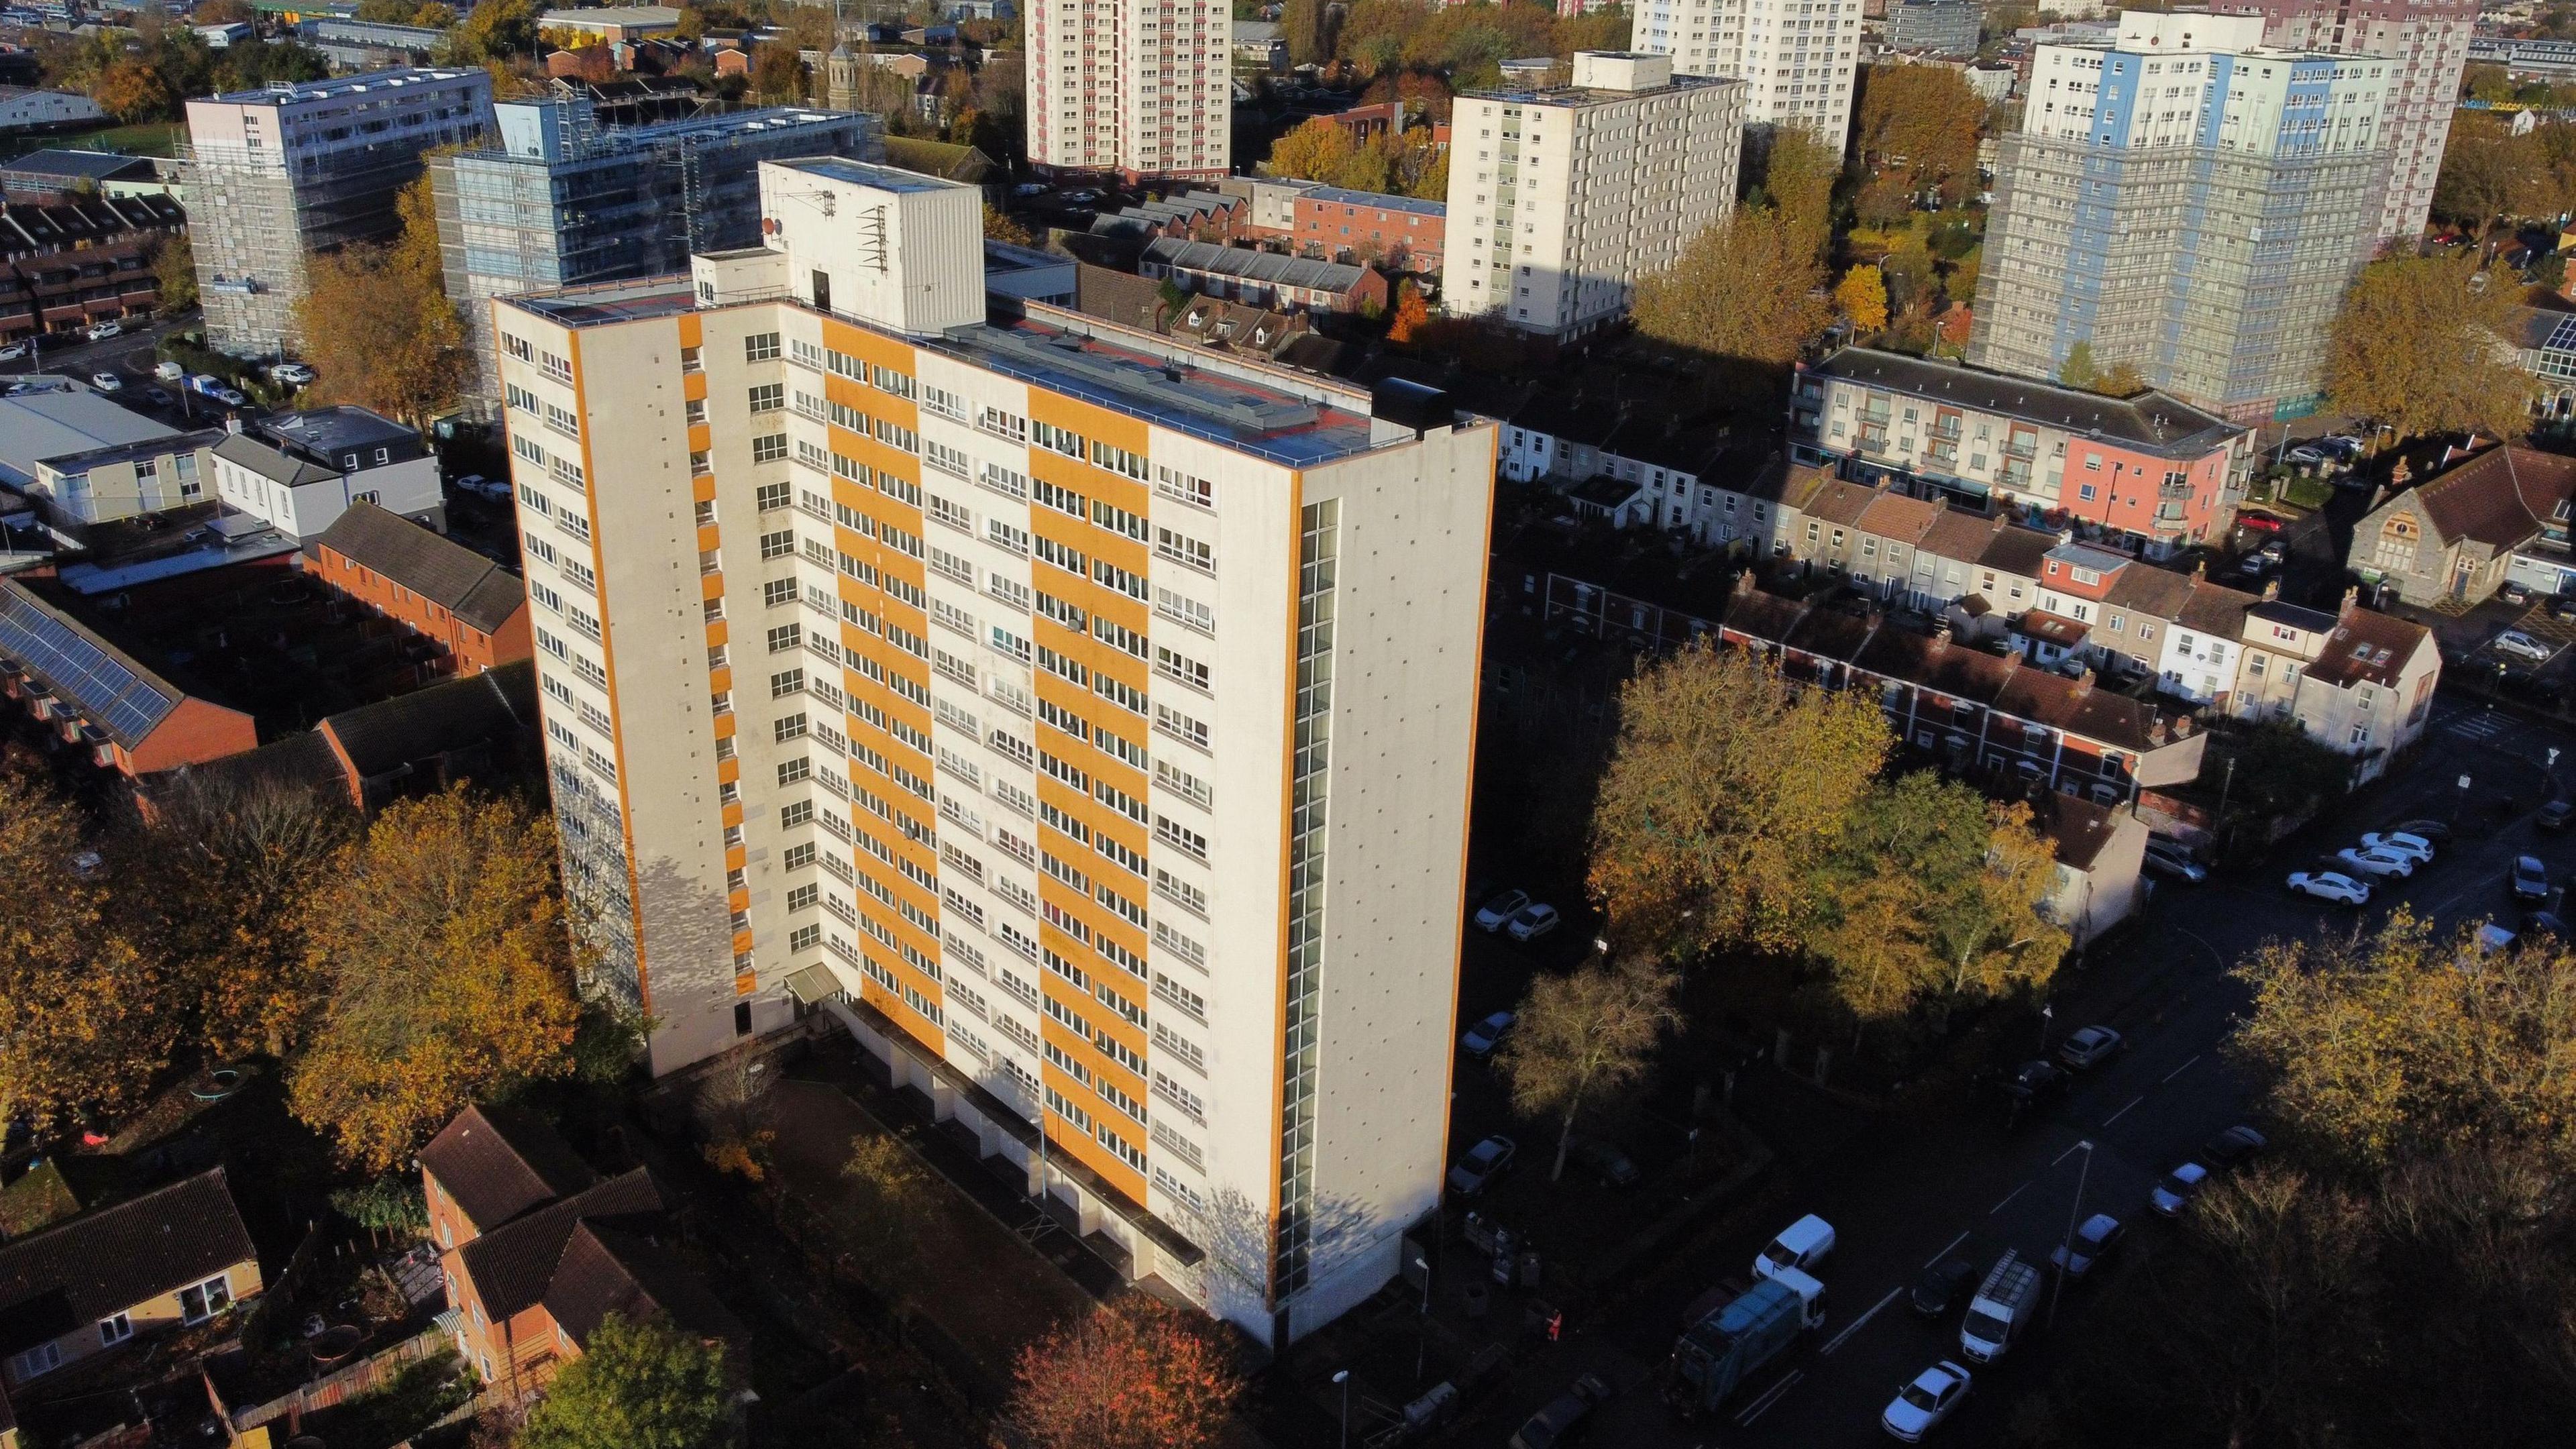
x,y
60,418
613,15
1159,383
285,93
1572,96
1343,196
76,165
332,428
862,173
2151,421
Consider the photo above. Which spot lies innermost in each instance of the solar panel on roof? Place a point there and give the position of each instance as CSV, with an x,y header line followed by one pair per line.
x,y
128,705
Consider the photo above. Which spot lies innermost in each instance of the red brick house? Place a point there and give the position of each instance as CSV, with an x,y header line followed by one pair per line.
x,y
538,1250
474,609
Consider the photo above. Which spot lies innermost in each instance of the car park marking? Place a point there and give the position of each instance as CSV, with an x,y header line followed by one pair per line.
x,y
2008,1197
2178,1071
1954,1242
2116,1116
1770,1396
1854,1326
2061,1157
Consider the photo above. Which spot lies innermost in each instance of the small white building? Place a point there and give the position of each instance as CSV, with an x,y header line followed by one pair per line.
x,y
300,472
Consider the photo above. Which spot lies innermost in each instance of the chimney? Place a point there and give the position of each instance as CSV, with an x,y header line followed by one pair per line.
x,y
1940,634
2200,572
2351,599
1744,583
232,424
2066,535
2084,684
2271,590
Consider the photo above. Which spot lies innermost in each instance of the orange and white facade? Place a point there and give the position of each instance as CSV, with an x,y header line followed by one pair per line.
x,y
1084,719
1135,87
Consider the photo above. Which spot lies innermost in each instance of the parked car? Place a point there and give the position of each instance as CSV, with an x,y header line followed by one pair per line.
x,y
2524,684
2530,879
107,382
490,490
1483,1163
2179,1187
2342,445
1942,1286
2304,457
2401,842
2036,1083
159,397
228,397
1498,912
2545,923
2562,606
2233,1146
2375,864
1801,1245
2275,551
2088,1047
2553,817
2327,885
1920,1406
1533,922
2096,1240
1484,1036
2521,646
14,352
101,331
1605,1161
2431,832
1556,1423
293,374
2513,593
2171,859
2257,520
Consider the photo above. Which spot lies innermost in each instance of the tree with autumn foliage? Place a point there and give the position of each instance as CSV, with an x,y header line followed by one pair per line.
x,y
442,939
231,865
2422,344
1921,123
85,1019
1729,784
1862,298
1000,226
376,323
1134,1374
1583,1039
131,91
1412,314
1747,293
635,1385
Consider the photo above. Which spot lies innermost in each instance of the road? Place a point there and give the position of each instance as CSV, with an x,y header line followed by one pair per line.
x,y
131,357
1912,1188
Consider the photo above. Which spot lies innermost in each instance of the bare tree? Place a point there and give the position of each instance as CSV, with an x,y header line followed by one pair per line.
x,y
1585,1037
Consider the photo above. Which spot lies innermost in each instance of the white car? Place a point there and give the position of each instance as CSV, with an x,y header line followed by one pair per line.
x,y
1532,922
293,374
1481,1039
2414,847
2327,885
1923,1404
107,382
2089,1047
2521,646
2376,864
14,352
1498,912
102,331
2178,1189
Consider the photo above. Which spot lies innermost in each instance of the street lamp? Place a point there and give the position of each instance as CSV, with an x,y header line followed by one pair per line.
x,y
2047,1015
2068,1248
1344,1379
1422,1334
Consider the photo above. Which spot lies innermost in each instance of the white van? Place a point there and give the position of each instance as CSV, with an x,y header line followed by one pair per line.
x,y
1801,1245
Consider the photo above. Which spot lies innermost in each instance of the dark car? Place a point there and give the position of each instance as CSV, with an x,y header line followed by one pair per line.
x,y
2233,1146
1942,1286
2545,923
2553,817
2432,830
1556,1424
2562,606
2172,860
2530,879
2513,593
1603,1157
2035,1081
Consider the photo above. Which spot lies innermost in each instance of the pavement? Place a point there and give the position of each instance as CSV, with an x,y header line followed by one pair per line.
x,y
1942,1175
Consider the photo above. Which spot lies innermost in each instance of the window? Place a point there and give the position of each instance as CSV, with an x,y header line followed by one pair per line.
x,y
768,397
769,449
788,727
204,1300
791,816
43,1358
760,347
803,898
116,1328
791,771
770,496
797,857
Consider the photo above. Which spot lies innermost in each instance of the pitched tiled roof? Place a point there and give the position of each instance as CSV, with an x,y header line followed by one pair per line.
x,y
2500,497
514,1265
477,711
1839,501
634,1269
498,1162
2150,421
476,590
245,451
2215,609
2368,647
1893,515
1958,534
83,1269
2052,628
2153,591
2077,828
2017,551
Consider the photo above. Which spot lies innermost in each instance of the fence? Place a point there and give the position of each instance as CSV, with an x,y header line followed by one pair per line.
x,y
368,1374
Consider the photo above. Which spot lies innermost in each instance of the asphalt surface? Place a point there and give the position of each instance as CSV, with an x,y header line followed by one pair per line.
x,y
1909,1189
131,357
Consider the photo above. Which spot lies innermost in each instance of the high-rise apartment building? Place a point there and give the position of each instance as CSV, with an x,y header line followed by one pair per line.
x,y
275,175
1560,199
1135,87
1083,717
2426,43
1796,57
2186,201
560,200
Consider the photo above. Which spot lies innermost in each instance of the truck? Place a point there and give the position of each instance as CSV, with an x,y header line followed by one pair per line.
x,y
2001,1310
1728,1344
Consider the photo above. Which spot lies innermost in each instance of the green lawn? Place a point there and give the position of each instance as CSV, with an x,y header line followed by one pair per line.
x,y
151,138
